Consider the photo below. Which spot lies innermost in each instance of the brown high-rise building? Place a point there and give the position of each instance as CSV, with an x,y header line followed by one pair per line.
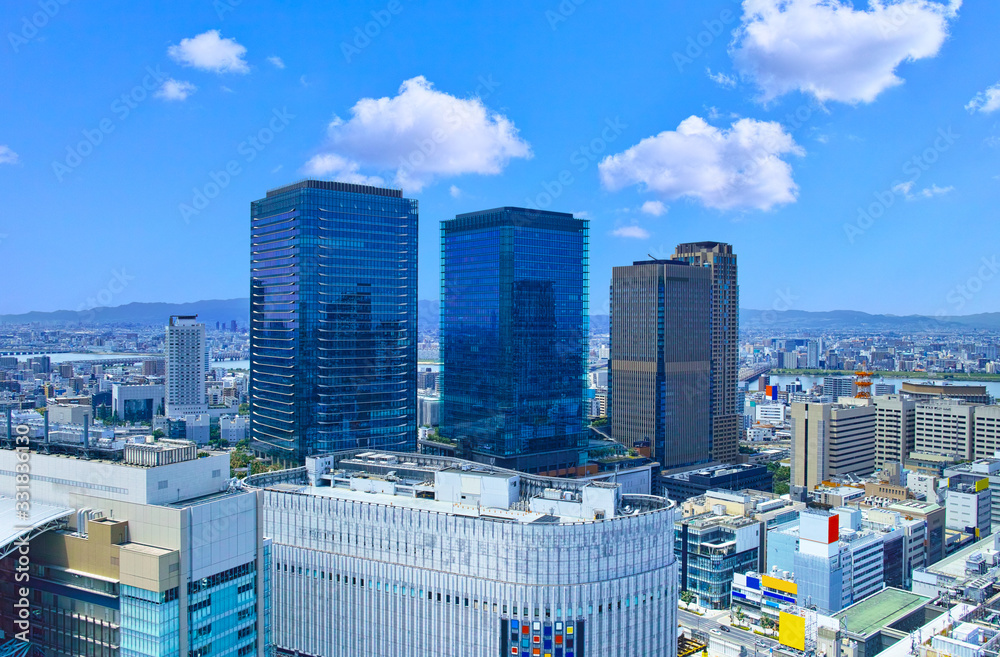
x,y
661,360
721,261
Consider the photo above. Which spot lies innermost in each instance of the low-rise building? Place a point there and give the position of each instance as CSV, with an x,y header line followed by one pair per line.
x,y
685,484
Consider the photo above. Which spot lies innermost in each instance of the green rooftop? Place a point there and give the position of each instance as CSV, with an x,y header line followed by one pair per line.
x,y
882,609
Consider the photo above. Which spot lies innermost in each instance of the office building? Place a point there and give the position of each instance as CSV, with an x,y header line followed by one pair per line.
x,y
970,394
186,365
661,360
154,367
968,504
895,423
333,320
680,486
770,413
831,440
514,337
833,568
933,516
233,428
142,550
721,262
137,403
986,434
839,386
712,547
982,468
388,554
944,427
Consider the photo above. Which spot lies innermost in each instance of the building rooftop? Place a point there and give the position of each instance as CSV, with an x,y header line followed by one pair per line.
x,y
449,485
954,564
334,186
882,609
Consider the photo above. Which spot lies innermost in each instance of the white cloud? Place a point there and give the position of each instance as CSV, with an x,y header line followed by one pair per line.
x,y
175,90
277,62
423,134
582,214
633,232
906,191
454,191
655,208
340,168
7,156
721,78
986,101
210,52
831,51
740,167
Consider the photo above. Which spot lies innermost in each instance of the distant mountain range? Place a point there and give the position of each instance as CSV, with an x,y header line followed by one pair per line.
x,y
210,312
429,314
852,319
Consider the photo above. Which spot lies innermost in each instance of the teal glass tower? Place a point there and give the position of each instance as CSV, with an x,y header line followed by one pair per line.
x,y
514,309
333,320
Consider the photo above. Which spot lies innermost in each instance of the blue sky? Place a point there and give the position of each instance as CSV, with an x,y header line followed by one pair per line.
x,y
850,154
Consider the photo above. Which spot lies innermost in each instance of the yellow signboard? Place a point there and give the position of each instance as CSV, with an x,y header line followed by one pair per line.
x,y
779,584
982,484
791,630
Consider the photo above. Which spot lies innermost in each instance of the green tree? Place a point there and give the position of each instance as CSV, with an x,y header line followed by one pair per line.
x,y
687,597
244,409
158,433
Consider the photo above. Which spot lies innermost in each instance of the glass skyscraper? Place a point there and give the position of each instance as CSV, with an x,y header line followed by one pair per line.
x,y
514,309
333,319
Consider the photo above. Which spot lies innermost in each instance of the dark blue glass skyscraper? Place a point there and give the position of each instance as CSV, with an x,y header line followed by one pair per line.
x,y
333,319
514,340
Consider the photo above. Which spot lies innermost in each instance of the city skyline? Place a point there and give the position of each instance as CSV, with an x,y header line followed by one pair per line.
x,y
831,169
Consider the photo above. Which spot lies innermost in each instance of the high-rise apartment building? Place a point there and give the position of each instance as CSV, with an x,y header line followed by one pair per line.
x,y
895,422
830,440
408,554
944,427
660,369
333,319
186,365
135,550
721,262
839,386
514,340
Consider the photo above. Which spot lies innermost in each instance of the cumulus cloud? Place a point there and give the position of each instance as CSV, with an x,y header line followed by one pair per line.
x,y
655,208
172,89
830,50
906,191
633,232
210,52
8,156
423,134
721,78
454,191
276,62
340,168
986,101
739,167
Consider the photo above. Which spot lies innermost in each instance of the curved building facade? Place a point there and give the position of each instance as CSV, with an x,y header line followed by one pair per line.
x,y
410,555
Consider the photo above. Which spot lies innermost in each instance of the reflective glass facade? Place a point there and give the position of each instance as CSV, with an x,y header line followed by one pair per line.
x,y
514,308
333,319
222,613
150,622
